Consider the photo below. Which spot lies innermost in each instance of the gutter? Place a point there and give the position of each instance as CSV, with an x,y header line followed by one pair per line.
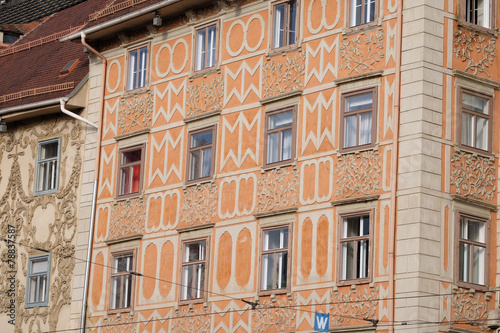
x,y
63,101
96,178
394,170
121,19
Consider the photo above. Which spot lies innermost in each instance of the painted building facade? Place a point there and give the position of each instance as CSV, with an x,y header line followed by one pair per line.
x,y
265,160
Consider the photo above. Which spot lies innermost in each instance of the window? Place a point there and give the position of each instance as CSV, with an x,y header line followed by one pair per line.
x,y
476,124
284,15
194,264
201,151
362,12
358,119
137,68
37,291
130,171
47,166
206,46
122,281
472,250
275,259
279,137
355,247
478,12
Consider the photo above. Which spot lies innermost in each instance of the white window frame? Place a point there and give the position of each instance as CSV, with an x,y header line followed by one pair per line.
x,y
488,11
277,278
206,64
276,21
122,275
47,189
39,276
134,69
475,115
200,267
354,9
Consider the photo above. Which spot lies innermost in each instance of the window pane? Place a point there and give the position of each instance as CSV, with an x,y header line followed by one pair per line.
x,y
478,265
194,168
286,145
187,282
369,11
279,25
39,266
356,6
200,49
292,22
472,230
136,178
347,271
272,147
359,102
48,150
350,131
131,156
201,139
122,264
115,291
143,52
267,271
275,239
127,291
365,128
467,129
206,162
132,70
481,133
362,260
475,103
280,120
464,265
194,251
281,270
211,46
356,226
33,289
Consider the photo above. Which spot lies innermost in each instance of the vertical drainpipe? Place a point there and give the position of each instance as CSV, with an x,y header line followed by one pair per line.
x,y
394,167
96,178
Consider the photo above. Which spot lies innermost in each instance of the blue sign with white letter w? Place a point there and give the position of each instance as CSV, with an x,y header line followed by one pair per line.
x,y
321,322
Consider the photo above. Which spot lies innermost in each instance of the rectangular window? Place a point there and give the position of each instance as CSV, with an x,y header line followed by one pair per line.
x,y
130,170
355,247
285,18
37,290
279,137
472,254
201,154
475,114
194,264
359,119
478,12
137,68
122,281
47,166
206,47
275,259
362,12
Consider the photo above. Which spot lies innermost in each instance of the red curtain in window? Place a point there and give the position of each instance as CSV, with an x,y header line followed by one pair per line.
x,y
136,177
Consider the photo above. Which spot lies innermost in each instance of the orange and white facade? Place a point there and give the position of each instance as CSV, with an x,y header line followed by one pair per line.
x,y
303,156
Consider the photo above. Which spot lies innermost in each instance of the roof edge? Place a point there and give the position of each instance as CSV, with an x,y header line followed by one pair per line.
x,y
45,103
121,19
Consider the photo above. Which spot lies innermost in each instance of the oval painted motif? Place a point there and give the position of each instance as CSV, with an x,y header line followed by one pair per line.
x,y
322,246
306,248
166,268
245,195
97,279
154,213
102,223
170,213
225,252
243,257
228,197
149,283
309,182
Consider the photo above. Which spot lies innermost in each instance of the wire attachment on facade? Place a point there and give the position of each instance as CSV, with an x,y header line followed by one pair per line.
x,y
374,321
252,304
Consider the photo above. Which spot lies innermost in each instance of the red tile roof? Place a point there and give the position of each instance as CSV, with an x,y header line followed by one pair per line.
x,y
31,73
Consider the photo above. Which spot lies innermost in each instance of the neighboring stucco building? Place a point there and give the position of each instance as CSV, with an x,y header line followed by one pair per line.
x,y
44,87
261,161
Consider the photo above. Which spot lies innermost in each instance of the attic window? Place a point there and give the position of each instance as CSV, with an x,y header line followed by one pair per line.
x,y
9,38
69,66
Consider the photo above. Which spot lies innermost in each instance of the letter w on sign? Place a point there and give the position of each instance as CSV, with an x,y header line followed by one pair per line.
x,y
321,322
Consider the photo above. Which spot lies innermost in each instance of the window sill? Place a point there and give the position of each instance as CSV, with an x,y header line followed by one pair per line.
x,y
273,293
278,165
471,286
353,282
37,194
474,151
135,92
199,181
490,32
129,197
357,150
349,31
192,302
120,311
283,50
36,305
204,72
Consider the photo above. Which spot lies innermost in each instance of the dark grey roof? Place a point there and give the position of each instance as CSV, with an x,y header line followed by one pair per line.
x,y
30,10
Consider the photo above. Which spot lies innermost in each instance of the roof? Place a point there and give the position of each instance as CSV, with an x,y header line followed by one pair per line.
x,y
31,10
32,66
